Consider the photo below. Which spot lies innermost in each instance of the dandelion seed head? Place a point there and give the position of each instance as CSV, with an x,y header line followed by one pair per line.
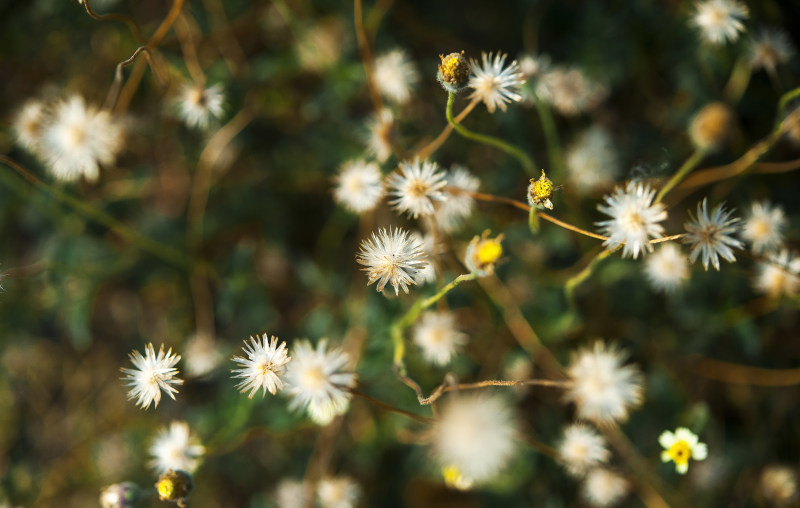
x,y
764,227
720,21
359,186
152,373
710,235
417,186
395,76
604,488
29,123
634,219
176,448
265,363
582,449
495,84
667,269
198,106
437,336
393,257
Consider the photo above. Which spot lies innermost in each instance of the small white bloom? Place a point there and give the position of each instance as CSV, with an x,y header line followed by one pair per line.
x,y
416,187
176,448
290,494
604,488
380,135
475,434
493,84
262,368
764,227
119,495
458,206
394,257
779,275
533,66
720,21
634,219
202,356
395,76
78,138
198,105
318,381
711,235
681,446
778,484
592,161
29,124
581,449
667,269
429,249
437,336
338,492
570,91
769,49
359,186
602,389
151,375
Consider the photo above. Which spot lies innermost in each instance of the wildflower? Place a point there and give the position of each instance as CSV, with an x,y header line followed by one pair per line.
x,y
711,126
393,257
634,219
318,382
395,76
262,368
459,203
359,186
429,250
381,135
769,49
778,484
533,66
483,253
764,227
681,446
338,492
177,448
720,21
438,338
667,269
78,138
290,494
198,105
591,160
151,375
602,389
455,480
604,488
710,235
174,486
29,123
453,72
475,435
493,84
779,275
570,91
416,186
120,495
540,191
581,449
202,356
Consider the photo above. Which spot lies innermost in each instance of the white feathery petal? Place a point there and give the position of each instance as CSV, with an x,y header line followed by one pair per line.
x,y
667,268
720,21
493,83
416,186
176,448
710,235
582,449
764,227
634,219
778,275
393,257
29,123
395,76
604,488
198,106
265,363
359,186
152,373
437,336
770,48
380,134
458,206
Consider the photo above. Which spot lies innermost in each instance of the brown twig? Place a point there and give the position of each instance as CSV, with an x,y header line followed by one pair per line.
x,y
137,32
366,56
183,29
428,150
390,408
744,374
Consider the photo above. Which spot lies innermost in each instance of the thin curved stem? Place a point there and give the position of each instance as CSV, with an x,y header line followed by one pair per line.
x,y
550,136
434,145
390,408
449,387
137,32
366,56
679,175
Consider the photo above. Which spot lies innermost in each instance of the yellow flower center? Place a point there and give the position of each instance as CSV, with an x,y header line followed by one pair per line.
x,y
314,378
454,69
680,452
489,252
166,488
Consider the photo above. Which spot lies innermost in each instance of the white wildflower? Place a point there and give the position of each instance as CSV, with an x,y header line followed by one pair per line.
x,y
318,381
570,91
338,492
394,257
437,336
764,227
29,124
634,219
119,495
720,21
458,206
592,161
265,363
359,186
681,446
779,275
151,375
778,484
199,106
667,269
430,249
711,235
395,76
176,448
602,389
202,355
290,494
581,449
493,84
770,48
381,135
416,187
604,488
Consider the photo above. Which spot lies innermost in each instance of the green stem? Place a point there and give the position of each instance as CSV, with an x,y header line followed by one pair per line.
x,y
524,159
550,136
584,274
684,170
737,84
782,103
533,220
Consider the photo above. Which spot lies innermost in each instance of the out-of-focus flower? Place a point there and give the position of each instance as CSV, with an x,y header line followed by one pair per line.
x,y
483,253
604,488
493,83
198,106
177,448
455,480
338,492
290,494
359,186
151,375
770,48
120,495
381,135
452,212
634,219
711,235
764,227
29,124
201,355
416,186
667,269
720,21
778,484
582,449
592,161
601,388
318,381
175,486
779,275
453,72
711,126
394,257
681,446
395,76
533,66
570,91
437,336
265,363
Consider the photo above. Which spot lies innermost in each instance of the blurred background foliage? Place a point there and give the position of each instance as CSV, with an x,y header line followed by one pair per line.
x,y
277,255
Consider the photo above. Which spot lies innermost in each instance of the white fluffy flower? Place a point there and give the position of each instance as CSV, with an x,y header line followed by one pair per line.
x,y
437,336
634,219
570,91
151,375
290,494
176,448
29,124
265,363
78,138
475,435
359,186
201,355
493,84
459,204
711,235
395,76
581,449
380,135
198,105
416,186
779,275
394,257
764,227
591,161
601,388
720,21
318,381
681,446
667,269
770,48
338,492
603,488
